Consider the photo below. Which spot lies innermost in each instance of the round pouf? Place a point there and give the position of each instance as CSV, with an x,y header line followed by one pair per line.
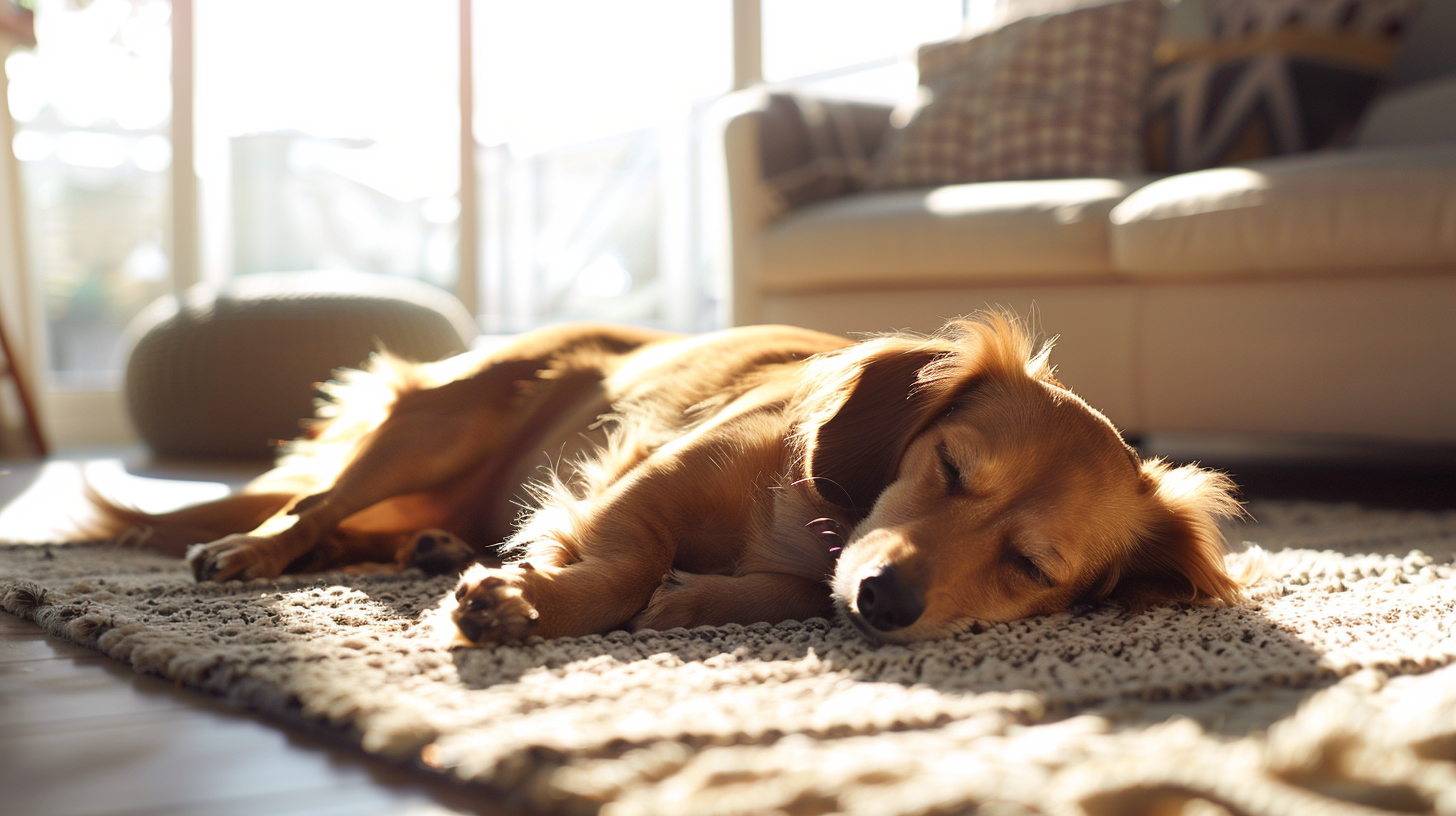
x,y
228,374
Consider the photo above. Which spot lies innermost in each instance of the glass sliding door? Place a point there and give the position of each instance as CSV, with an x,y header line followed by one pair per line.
x,y
327,136
92,105
587,116
856,48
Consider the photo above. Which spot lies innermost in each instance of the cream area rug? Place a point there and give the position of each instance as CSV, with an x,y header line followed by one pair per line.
x,y
1332,692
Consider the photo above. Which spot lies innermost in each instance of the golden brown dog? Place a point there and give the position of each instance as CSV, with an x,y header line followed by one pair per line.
x,y
755,474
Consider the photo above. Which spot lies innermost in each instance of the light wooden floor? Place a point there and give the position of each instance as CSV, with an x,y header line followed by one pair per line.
x,y
81,734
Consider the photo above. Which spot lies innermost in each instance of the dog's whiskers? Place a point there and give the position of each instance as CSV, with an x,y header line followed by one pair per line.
x,y
830,530
808,479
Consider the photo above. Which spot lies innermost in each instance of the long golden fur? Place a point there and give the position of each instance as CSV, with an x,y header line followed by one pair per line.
x,y
756,474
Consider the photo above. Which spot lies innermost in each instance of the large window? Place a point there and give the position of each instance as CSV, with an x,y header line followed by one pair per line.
x,y
853,48
326,134
92,106
586,115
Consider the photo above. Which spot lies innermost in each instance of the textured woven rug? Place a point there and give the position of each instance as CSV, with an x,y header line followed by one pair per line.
x,y
1334,691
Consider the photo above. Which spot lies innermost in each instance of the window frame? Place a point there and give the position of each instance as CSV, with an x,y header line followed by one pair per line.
x,y
96,416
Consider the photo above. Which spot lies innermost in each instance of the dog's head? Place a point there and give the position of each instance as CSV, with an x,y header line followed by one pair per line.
x,y
985,490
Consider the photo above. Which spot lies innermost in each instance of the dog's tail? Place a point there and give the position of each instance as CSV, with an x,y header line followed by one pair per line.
x,y
172,533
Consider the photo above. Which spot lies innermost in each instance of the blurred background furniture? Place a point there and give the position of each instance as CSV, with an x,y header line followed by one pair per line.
x,y
232,373
1301,293
17,29
12,369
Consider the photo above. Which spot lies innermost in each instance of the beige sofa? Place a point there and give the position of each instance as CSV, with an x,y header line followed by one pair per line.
x,y
1313,294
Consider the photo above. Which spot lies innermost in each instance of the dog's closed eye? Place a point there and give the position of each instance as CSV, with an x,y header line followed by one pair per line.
x,y
954,485
1028,568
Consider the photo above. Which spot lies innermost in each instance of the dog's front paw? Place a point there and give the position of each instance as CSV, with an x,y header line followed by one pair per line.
x,y
234,557
491,605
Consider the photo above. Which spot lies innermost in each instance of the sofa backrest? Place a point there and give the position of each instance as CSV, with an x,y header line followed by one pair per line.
x,y
1426,50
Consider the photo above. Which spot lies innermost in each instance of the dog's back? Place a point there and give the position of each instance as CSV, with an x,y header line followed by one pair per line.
x,y
584,404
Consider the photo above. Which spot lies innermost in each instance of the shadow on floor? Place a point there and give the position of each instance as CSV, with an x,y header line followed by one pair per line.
x,y
1387,475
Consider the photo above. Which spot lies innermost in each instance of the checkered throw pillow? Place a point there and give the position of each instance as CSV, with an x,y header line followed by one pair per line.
x,y
1054,96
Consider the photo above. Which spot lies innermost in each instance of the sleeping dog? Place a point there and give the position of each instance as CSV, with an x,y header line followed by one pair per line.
x,y
912,484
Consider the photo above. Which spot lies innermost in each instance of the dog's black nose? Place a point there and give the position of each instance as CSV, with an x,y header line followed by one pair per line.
x,y
887,603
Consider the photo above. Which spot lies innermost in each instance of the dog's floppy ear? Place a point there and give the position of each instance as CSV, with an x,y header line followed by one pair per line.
x,y
1180,554
852,454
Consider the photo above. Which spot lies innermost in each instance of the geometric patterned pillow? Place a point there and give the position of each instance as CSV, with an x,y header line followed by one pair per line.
x,y
1237,19
1270,95
1054,96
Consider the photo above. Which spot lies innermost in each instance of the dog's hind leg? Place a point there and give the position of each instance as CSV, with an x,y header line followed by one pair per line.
x,y
172,533
434,551
431,437
435,437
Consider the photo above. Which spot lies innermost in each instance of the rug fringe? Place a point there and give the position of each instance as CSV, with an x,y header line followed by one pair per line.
x,y
24,598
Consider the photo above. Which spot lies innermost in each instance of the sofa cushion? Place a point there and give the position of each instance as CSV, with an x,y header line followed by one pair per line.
x,y
1043,97
1317,214
1413,114
1425,50
1053,230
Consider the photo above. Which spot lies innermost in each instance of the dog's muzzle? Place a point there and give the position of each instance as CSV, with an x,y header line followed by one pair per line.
x,y
886,602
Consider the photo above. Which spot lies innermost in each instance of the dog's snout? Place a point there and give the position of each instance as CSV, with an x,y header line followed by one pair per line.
x,y
887,602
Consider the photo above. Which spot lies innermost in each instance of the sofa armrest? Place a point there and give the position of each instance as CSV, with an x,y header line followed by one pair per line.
x,y
773,147
751,204
813,148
